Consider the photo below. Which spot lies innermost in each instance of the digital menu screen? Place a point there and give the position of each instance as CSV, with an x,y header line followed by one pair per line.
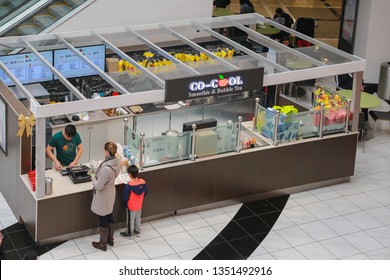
x,y
27,68
71,65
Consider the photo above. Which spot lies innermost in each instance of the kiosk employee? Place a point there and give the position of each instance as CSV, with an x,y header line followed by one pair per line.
x,y
68,147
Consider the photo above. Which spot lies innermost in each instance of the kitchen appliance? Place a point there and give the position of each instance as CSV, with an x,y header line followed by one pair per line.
x,y
79,174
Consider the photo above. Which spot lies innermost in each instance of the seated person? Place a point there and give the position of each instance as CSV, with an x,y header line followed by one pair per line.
x,y
285,40
284,19
306,26
221,3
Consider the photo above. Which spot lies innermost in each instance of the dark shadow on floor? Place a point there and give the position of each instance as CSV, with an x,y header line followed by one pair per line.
x,y
245,232
18,241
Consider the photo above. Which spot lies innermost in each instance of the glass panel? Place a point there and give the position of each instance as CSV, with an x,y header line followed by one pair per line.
x,y
221,112
164,149
307,124
227,138
153,124
335,119
133,143
287,127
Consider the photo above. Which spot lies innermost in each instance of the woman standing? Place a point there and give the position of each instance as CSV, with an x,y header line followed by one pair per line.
x,y
103,182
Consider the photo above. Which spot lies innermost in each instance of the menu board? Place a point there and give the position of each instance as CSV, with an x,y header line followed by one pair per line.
x,y
71,65
27,68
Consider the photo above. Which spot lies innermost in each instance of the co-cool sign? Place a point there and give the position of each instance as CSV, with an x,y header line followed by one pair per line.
x,y
215,83
218,84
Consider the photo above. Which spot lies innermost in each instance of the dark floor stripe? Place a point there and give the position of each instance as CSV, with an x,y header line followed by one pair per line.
x,y
245,232
18,241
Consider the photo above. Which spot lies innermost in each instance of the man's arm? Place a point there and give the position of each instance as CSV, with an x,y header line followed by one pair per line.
x,y
50,154
78,155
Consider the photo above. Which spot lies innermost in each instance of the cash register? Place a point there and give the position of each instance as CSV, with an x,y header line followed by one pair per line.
x,y
79,174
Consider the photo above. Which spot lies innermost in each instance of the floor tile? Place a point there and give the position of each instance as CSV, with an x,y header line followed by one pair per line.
x,y
262,257
189,255
169,257
203,235
341,225
364,184
156,247
270,218
288,254
129,252
282,222
339,247
382,214
190,221
362,220
233,231
363,241
381,254
147,232
244,246
167,226
344,189
318,230
381,195
322,210
181,242
295,236
223,251
66,250
214,216
299,215
315,251
357,257
381,234
343,206
363,201
100,255
325,193
274,242
260,250
231,210
261,207
279,202
253,225
304,198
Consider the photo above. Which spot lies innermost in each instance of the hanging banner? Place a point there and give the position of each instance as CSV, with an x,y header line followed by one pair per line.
x,y
218,84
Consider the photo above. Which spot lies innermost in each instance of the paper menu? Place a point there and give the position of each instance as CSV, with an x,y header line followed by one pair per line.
x,y
122,179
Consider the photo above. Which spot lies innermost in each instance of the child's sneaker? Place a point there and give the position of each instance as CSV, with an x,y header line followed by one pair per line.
x,y
126,234
138,234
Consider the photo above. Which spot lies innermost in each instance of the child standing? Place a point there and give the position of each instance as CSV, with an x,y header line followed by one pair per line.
x,y
133,194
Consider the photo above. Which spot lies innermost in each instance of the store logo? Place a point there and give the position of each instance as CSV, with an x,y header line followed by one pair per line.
x,y
221,82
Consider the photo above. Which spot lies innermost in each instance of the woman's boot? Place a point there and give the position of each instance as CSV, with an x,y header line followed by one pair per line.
x,y
102,244
111,230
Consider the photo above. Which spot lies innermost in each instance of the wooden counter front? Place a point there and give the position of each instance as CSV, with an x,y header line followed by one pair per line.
x,y
269,170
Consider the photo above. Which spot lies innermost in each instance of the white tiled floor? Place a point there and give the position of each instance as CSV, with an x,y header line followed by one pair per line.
x,y
345,221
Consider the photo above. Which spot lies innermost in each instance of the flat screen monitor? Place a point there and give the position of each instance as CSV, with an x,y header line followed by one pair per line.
x,y
70,65
27,68
206,123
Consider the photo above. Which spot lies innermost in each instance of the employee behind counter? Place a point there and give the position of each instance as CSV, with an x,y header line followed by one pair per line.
x,y
68,147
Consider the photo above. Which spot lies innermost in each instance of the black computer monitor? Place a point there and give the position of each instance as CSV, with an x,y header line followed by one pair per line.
x,y
200,124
